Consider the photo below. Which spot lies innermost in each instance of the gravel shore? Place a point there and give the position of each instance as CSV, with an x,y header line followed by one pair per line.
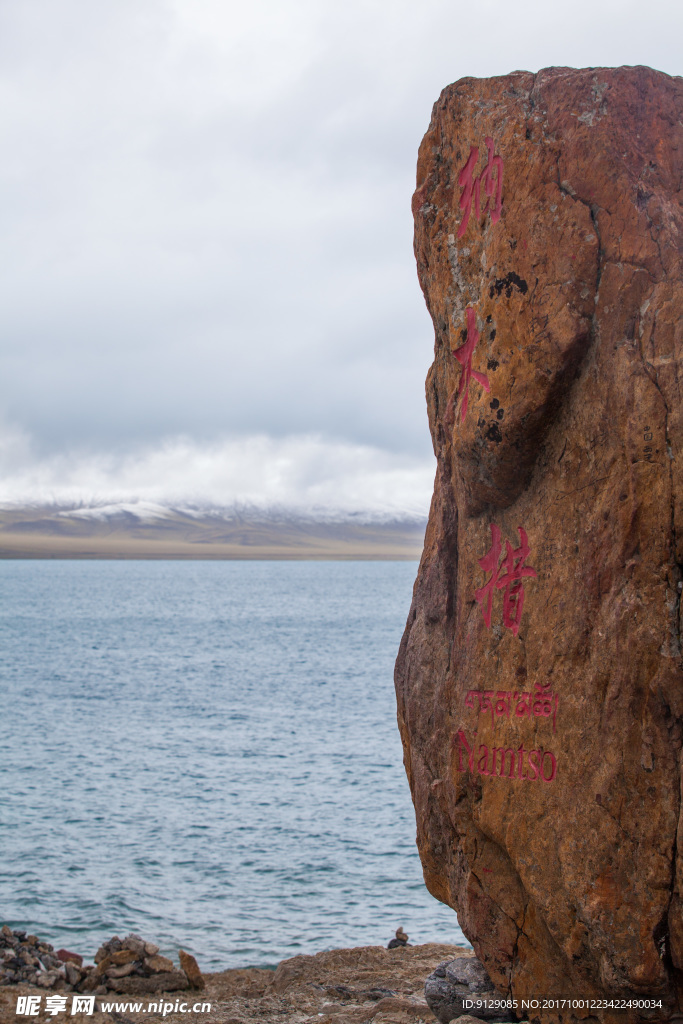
x,y
341,986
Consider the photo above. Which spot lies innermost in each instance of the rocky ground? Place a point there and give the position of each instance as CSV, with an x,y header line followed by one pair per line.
x,y
342,986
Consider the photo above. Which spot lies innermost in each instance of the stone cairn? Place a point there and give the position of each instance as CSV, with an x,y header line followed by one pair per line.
x,y
131,965
24,958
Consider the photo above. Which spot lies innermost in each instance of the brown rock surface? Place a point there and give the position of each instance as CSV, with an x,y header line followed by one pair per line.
x,y
121,972
559,851
167,981
191,969
158,964
63,954
121,956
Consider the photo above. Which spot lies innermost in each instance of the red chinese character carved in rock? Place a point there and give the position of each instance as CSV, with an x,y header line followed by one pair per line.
x,y
489,563
507,576
492,180
511,581
464,356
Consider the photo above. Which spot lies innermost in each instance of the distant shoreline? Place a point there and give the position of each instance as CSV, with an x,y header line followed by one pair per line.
x,y
15,548
160,533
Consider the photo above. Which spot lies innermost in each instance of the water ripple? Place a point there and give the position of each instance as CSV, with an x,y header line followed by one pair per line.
x,y
206,753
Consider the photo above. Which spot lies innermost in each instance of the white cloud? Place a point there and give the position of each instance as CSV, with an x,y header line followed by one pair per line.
x,y
205,207
307,475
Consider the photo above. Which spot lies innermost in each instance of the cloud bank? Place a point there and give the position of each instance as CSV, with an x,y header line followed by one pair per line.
x,y
205,226
307,475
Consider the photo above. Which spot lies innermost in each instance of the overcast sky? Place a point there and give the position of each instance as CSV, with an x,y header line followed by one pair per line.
x,y
207,286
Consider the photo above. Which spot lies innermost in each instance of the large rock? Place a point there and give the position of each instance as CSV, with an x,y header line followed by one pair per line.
x,y
191,968
461,987
539,683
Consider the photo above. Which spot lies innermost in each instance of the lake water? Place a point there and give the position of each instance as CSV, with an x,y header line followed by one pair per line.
x,y
206,753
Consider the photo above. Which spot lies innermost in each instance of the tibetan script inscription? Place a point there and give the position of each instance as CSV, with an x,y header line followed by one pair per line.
x,y
542,703
647,447
492,180
505,576
464,356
